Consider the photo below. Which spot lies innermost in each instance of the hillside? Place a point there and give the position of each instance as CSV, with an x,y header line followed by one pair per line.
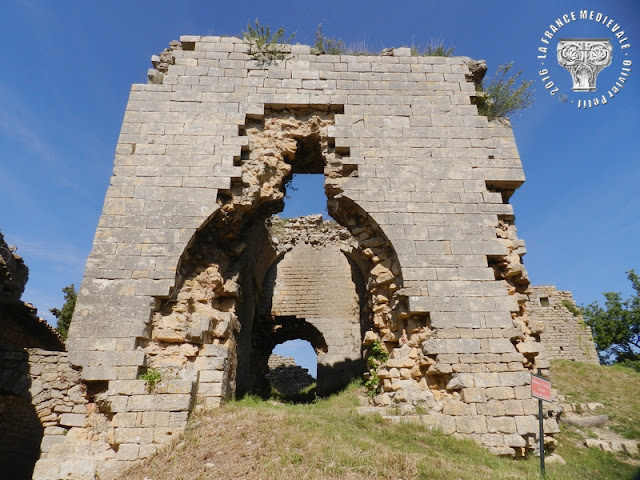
x,y
256,439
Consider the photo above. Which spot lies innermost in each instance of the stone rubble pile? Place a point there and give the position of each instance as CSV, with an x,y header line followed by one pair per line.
x,y
586,416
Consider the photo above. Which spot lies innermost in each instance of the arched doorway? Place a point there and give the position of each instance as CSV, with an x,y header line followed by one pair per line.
x,y
217,305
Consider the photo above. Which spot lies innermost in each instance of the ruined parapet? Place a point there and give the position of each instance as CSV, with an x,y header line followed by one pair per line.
x,y
311,230
21,326
420,181
13,273
565,334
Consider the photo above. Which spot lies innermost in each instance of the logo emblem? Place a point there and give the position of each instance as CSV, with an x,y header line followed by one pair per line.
x,y
584,58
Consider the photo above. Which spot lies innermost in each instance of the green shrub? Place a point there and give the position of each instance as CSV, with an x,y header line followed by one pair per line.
x,y
436,48
502,98
65,314
152,377
327,45
265,42
616,325
376,359
573,309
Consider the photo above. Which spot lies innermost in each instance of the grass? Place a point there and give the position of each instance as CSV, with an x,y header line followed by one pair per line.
x,y
435,48
616,387
305,395
257,439
328,45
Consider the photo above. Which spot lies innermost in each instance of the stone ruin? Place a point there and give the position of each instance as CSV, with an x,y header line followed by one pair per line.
x,y
191,282
565,336
286,377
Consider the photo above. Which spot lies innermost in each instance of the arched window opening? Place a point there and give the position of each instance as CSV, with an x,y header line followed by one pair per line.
x,y
302,353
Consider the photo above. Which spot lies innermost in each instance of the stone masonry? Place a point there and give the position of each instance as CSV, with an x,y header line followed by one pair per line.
x,y
566,336
420,181
313,281
21,432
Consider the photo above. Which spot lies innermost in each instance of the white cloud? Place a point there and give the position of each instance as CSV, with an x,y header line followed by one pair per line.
x,y
58,254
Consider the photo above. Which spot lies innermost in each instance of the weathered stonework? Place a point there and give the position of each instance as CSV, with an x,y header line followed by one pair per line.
x,y
565,334
311,291
77,435
21,432
186,279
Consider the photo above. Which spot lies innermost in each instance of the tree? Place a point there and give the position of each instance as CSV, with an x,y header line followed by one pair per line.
x,y
66,312
616,327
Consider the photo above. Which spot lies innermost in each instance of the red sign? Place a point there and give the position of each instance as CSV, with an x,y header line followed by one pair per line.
x,y
540,388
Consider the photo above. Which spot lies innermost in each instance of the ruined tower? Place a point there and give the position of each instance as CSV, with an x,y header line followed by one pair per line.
x,y
182,280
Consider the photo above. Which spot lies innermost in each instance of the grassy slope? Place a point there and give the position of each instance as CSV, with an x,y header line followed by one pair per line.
x,y
253,439
617,388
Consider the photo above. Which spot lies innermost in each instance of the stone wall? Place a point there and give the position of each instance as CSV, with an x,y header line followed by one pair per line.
x,y
315,283
22,414
420,181
286,377
75,436
566,336
21,431
85,430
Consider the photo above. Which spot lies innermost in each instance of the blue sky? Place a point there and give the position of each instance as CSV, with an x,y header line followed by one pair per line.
x,y
67,68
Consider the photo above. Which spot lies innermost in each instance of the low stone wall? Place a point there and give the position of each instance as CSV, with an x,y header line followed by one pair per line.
x,y
86,428
566,336
57,394
71,446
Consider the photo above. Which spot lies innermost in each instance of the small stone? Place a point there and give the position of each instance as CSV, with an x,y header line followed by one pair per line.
x,y
455,384
601,444
584,421
382,400
554,458
630,447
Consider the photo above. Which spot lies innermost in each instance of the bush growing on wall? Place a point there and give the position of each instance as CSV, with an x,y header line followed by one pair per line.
x,y
501,98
